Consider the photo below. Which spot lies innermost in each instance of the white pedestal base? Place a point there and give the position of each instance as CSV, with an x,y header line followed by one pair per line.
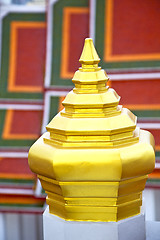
x,y
56,228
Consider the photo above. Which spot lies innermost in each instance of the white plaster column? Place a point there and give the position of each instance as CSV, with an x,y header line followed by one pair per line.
x,y
56,228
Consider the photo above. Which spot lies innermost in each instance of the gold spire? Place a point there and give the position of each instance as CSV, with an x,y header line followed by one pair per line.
x,y
90,78
93,161
89,54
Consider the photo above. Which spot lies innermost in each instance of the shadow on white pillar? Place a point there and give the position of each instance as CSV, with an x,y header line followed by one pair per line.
x,y
2,227
149,200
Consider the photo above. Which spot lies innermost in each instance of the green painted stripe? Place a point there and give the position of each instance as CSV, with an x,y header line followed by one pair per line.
x,y
54,103
16,143
147,113
153,180
99,30
43,192
22,205
17,181
157,153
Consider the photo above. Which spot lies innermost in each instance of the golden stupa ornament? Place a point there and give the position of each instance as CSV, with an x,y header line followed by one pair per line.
x,y
93,161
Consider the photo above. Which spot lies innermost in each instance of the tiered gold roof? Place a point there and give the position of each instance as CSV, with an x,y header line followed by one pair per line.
x,y
93,161
77,125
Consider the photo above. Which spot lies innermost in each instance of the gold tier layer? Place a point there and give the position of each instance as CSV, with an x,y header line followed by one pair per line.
x,y
91,115
81,200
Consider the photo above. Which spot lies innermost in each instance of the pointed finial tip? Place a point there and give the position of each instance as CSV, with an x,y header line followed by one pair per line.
x,y
88,40
89,54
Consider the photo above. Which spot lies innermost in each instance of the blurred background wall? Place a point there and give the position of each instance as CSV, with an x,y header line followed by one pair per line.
x,y
40,44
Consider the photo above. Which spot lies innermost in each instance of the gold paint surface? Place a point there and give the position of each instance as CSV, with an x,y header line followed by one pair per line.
x,y
93,161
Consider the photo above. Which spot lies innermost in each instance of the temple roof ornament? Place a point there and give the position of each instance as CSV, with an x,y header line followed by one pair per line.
x,y
93,160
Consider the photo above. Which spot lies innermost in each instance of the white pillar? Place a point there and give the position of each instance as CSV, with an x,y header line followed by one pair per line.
x,y
157,204
149,204
29,226
2,227
12,226
56,228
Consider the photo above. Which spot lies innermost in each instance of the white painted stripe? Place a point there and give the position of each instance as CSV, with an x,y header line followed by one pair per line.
x,y
149,125
49,43
45,118
6,9
92,20
16,191
14,154
157,165
56,93
134,76
38,189
21,106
